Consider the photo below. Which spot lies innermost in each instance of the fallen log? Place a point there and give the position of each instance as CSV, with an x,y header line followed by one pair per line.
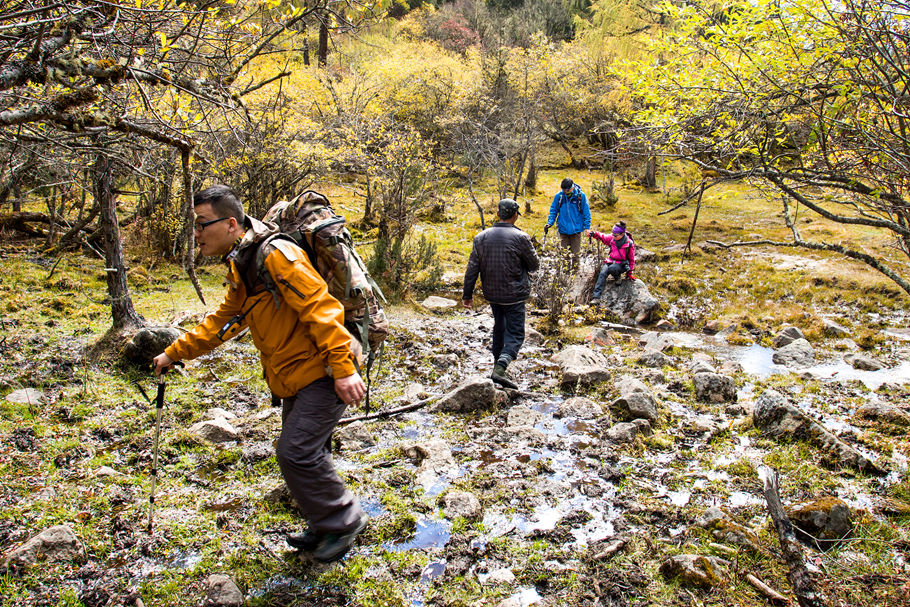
x,y
21,222
389,412
791,550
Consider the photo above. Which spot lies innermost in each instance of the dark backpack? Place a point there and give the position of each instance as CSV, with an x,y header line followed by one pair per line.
x,y
309,221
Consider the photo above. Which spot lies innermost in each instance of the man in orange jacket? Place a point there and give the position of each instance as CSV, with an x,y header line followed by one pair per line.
x,y
306,360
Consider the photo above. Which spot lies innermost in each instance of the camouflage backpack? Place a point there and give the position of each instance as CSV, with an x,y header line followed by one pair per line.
x,y
309,221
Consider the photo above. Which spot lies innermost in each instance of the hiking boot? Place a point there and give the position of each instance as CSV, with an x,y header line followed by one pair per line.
x,y
499,376
306,541
335,545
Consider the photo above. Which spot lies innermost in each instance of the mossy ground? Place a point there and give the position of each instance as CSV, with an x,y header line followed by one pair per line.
x,y
212,516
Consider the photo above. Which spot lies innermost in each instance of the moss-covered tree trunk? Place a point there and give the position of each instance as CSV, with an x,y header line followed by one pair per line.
x,y
123,314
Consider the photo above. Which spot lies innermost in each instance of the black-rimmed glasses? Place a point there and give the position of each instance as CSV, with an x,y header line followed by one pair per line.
x,y
198,227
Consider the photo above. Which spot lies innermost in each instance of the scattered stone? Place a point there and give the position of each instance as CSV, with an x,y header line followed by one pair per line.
x,y
731,367
435,459
832,329
864,362
821,522
215,430
257,452
355,436
625,432
786,336
106,472
148,343
712,327
655,342
497,577
414,392
218,412
222,591
580,407
695,570
888,416
474,394
635,405
278,495
28,396
600,337
581,367
777,418
654,359
57,543
655,376
714,388
664,325
533,337
434,302
725,529
461,503
525,434
521,415
797,353
701,366
444,361
628,384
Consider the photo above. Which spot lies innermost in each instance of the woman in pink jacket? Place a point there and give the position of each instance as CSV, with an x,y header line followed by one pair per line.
x,y
621,259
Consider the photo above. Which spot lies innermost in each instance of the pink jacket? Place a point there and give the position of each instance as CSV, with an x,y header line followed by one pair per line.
x,y
622,251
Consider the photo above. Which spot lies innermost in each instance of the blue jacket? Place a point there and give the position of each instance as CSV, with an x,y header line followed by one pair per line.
x,y
573,211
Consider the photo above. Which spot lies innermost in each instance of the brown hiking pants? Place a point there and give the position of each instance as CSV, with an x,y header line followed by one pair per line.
x,y
305,458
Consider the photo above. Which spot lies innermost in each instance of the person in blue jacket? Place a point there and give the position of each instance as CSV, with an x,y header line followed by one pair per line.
x,y
570,211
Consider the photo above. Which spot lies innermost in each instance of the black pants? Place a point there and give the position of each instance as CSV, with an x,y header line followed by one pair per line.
x,y
508,331
305,458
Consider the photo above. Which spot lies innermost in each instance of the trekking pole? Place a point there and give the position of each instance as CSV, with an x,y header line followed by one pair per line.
x,y
159,409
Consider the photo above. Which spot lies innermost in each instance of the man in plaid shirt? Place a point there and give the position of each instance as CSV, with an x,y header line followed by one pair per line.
x,y
503,256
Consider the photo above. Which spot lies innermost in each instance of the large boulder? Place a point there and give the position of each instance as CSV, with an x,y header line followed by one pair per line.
x,y
714,388
797,353
148,343
474,394
629,300
779,419
434,302
581,367
57,543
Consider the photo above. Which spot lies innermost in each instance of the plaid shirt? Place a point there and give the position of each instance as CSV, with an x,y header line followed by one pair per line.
x,y
502,256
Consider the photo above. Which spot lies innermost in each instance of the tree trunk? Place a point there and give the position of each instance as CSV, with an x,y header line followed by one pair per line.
x,y
323,52
123,314
531,177
650,180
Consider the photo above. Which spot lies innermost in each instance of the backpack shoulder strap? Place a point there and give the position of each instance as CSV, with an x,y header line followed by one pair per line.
x,y
275,242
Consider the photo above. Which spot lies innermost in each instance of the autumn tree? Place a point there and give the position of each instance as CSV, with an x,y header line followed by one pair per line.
x,y
102,81
807,98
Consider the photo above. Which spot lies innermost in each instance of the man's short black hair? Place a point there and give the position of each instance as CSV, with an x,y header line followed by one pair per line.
x,y
224,201
567,183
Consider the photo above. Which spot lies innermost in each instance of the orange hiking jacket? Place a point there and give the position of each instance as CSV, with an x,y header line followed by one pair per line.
x,y
299,342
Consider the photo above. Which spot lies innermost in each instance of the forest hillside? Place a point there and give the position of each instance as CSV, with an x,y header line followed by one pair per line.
x,y
730,428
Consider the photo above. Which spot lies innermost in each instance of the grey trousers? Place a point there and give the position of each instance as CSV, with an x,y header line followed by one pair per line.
x,y
305,458
573,242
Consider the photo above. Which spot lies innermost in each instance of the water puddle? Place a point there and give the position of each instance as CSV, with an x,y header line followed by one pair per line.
x,y
277,583
429,534
526,596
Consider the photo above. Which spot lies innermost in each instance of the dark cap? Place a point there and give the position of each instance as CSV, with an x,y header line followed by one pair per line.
x,y
508,208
